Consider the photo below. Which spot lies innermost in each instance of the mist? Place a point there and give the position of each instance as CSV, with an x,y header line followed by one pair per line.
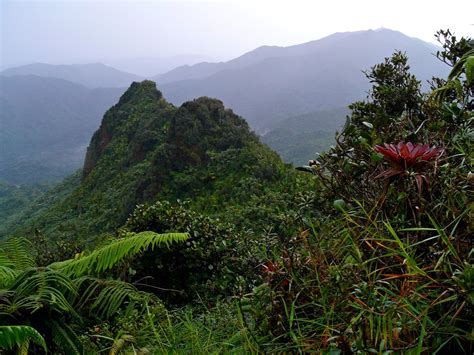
x,y
130,34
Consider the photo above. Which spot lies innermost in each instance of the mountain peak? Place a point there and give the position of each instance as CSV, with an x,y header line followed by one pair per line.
x,y
124,119
141,91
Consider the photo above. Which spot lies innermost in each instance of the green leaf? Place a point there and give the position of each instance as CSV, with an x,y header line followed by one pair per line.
x,y
19,335
106,257
376,157
339,205
470,70
368,125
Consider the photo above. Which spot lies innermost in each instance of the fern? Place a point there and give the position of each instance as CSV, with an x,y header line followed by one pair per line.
x,y
33,289
7,276
106,257
66,339
19,336
66,287
15,253
109,295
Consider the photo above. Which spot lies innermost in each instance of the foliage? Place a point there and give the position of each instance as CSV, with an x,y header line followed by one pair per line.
x,y
216,261
49,302
391,269
357,285
104,258
342,261
408,159
19,336
147,149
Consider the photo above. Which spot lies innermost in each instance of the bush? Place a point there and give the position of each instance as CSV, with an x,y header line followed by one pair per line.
x,y
216,261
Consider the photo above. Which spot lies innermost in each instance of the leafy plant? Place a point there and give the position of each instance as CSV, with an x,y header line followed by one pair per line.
x,y
408,159
19,336
49,298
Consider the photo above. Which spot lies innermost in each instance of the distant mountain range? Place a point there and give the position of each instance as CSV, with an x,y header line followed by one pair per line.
x,y
287,94
90,75
46,124
270,84
151,66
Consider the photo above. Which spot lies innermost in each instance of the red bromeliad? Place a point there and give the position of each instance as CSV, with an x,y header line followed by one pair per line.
x,y
408,159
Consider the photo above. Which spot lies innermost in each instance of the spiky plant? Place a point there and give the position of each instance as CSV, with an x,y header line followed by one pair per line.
x,y
408,159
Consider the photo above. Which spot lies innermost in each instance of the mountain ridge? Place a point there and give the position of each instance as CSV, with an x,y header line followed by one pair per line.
x,y
317,75
91,75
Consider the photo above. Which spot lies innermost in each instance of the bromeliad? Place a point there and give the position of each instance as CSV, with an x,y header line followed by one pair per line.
x,y
408,159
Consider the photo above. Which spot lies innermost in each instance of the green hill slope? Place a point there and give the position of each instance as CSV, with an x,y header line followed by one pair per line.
x,y
147,149
298,139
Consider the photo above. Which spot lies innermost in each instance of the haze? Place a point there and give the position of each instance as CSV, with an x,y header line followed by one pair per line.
x,y
113,32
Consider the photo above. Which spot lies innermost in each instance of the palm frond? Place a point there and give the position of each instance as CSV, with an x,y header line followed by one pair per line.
x,y
12,336
106,257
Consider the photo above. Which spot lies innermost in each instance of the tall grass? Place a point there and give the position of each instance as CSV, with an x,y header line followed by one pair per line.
x,y
357,284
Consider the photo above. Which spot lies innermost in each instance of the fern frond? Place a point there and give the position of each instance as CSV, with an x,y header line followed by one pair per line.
x,y
66,339
109,295
35,289
106,257
15,253
18,335
7,276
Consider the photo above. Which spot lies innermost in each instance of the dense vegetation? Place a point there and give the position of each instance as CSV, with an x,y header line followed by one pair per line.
x,y
368,249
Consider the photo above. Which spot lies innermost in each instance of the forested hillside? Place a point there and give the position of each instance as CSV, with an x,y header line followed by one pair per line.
x,y
183,233
147,149
298,139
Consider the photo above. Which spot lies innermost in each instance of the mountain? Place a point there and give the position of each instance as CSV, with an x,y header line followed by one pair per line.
x,y
146,150
298,139
46,124
273,83
149,66
93,75
266,86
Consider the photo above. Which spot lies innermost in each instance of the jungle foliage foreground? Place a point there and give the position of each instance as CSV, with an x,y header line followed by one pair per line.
x,y
368,249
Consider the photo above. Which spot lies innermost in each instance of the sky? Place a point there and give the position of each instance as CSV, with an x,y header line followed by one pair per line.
x,y
67,31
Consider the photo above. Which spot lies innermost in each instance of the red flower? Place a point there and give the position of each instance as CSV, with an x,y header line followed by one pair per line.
x,y
408,159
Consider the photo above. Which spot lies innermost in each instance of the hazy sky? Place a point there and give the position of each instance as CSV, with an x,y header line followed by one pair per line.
x,y
64,31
